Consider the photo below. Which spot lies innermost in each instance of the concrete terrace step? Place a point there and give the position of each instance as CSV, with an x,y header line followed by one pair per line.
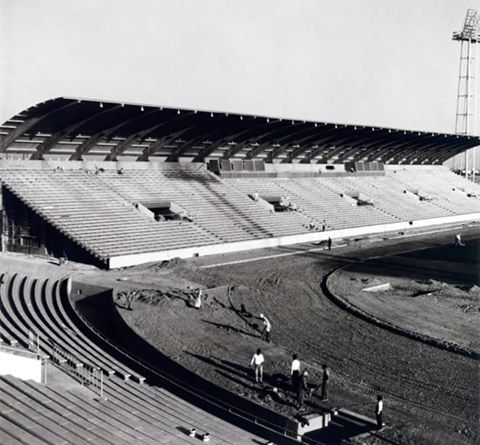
x,y
62,320
12,434
94,415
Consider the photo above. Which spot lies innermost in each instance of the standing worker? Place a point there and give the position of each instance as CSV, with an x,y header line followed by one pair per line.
x,y
302,389
267,327
325,377
257,362
379,412
329,243
197,300
458,240
295,372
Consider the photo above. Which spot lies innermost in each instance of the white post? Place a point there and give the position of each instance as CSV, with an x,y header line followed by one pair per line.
x,y
45,370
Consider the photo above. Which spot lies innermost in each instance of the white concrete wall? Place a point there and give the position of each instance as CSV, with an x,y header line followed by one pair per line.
x,y
416,168
303,168
141,258
20,366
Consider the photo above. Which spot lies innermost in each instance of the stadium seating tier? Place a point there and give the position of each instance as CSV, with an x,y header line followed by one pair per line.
x,y
99,211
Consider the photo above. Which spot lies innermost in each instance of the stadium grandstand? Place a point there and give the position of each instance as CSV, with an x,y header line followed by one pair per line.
x,y
115,184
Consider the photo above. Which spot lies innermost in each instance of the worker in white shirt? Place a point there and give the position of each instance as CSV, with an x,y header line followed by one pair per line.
x,y
257,362
379,412
458,240
267,327
196,301
295,372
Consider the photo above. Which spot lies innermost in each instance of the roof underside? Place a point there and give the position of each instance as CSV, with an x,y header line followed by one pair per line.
x,y
76,129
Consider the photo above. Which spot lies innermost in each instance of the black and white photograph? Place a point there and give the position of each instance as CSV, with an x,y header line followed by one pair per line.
x,y
242,222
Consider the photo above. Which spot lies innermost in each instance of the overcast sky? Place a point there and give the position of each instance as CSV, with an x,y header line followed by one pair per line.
x,y
377,62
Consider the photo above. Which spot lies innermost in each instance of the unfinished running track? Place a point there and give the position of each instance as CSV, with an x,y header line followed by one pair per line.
x,y
430,393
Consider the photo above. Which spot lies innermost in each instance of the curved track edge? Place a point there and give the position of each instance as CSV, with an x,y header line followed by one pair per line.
x,y
343,303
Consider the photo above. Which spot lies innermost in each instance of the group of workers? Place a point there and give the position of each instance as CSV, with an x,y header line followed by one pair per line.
x,y
300,386
299,383
299,377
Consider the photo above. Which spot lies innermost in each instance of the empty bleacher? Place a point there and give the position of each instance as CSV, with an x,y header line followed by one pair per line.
x,y
448,190
315,200
101,209
41,414
79,205
213,205
394,197
128,413
388,196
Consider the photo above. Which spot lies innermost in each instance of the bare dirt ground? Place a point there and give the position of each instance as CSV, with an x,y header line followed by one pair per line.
x,y
437,309
431,395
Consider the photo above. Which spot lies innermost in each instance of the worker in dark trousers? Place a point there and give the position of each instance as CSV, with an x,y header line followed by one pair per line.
x,y
379,412
267,328
325,378
329,243
302,389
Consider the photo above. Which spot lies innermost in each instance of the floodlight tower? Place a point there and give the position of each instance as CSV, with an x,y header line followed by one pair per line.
x,y
465,122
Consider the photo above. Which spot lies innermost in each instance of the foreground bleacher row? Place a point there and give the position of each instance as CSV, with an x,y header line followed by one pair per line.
x,y
96,209
130,412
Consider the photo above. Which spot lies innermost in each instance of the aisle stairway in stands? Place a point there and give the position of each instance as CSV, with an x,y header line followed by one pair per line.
x,y
404,194
79,205
389,197
213,205
316,200
96,209
447,189
100,210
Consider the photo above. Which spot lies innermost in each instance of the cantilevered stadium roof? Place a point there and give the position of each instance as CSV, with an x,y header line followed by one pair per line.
x,y
75,129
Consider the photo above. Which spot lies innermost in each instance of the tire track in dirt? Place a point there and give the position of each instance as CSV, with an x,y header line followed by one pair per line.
x,y
378,361
430,394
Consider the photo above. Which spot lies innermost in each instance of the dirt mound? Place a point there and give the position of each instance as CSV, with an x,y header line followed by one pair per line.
x,y
151,296
435,288
371,281
170,265
474,290
469,308
435,283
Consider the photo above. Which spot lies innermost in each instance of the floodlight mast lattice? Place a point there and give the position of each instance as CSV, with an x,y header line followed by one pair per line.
x,y
465,120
